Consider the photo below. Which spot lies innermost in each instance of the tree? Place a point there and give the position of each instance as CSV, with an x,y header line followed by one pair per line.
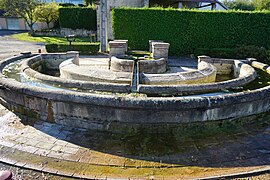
x,y
245,5
88,2
262,4
21,8
47,13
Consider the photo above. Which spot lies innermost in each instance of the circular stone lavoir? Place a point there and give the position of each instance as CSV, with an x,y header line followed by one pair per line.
x,y
90,93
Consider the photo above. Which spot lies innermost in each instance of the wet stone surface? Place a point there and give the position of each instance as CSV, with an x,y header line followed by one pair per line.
x,y
248,146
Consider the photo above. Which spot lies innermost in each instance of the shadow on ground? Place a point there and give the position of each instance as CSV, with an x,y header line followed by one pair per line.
x,y
235,145
10,32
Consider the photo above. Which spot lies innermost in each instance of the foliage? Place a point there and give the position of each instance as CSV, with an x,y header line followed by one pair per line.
x,y
78,18
246,5
47,13
44,39
262,4
242,52
89,2
260,53
66,4
187,30
21,8
82,47
216,52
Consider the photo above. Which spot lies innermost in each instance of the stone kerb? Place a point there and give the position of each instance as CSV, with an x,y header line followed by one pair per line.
x,y
117,48
121,65
28,65
206,74
160,50
53,60
244,75
157,66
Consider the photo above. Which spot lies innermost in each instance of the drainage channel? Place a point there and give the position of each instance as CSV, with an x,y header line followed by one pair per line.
x,y
135,77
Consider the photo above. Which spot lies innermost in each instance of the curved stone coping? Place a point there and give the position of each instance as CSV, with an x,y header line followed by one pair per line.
x,y
204,74
69,83
70,70
244,72
110,112
145,66
134,102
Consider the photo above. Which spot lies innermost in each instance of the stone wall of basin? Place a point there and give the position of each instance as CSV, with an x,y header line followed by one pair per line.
x,y
223,66
244,74
51,61
205,73
111,112
145,66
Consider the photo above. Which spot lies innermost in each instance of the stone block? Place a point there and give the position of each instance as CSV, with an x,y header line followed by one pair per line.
x,y
117,48
124,41
160,50
151,42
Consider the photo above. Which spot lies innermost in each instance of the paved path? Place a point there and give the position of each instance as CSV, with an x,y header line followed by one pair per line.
x,y
247,148
10,46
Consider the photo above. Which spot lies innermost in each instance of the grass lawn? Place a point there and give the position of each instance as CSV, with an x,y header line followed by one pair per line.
x,y
44,39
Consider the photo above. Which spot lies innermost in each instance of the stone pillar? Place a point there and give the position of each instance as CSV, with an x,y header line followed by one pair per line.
x,y
150,44
103,25
124,41
160,50
117,48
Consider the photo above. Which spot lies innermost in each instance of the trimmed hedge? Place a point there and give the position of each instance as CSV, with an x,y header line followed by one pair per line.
x,y
188,30
242,52
78,18
216,52
82,47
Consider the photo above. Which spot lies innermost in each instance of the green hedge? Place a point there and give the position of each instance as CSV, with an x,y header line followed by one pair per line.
x,y
83,48
188,30
78,18
242,52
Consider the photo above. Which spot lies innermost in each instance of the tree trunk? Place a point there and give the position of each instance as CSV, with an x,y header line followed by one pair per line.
x,y
48,25
32,31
